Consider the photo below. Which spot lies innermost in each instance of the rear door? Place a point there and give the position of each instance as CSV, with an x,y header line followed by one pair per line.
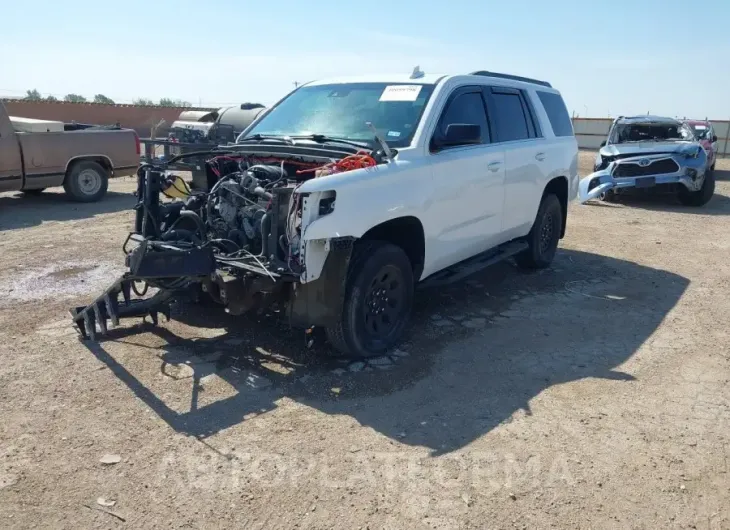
x,y
11,166
468,196
517,133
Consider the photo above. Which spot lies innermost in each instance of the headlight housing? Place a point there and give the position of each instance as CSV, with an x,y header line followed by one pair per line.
x,y
327,203
694,153
602,162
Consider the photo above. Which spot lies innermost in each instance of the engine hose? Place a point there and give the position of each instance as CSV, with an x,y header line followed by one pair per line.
x,y
181,235
196,218
143,291
265,231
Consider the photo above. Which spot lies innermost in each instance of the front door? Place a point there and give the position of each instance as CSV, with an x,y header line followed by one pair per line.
x,y
468,180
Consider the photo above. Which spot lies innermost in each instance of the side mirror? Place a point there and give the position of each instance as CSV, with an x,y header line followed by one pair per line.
x,y
714,138
461,134
603,143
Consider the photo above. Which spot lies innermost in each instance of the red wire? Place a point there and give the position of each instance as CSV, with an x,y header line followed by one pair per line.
x,y
359,160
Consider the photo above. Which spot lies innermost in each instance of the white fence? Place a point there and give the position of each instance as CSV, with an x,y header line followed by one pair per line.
x,y
590,132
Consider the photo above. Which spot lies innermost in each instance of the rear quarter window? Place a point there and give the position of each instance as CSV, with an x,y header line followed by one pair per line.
x,y
557,113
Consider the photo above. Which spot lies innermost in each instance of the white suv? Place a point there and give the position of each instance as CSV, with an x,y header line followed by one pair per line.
x,y
486,164
344,195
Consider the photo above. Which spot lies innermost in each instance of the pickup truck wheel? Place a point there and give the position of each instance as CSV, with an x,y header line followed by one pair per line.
x,y
377,302
700,197
86,182
544,237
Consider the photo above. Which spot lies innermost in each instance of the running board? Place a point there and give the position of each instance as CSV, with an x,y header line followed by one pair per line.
x,y
466,268
108,307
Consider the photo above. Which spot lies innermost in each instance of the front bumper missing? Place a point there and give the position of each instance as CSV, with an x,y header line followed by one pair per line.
x,y
603,181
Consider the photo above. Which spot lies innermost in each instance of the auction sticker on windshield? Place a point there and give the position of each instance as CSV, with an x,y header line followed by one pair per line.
x,y
400,93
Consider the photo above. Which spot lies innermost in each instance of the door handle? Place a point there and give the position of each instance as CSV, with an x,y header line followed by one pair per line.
x,y
540,156
494,166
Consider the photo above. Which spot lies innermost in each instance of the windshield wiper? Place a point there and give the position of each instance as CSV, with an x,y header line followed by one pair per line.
x,y
324,139
261,137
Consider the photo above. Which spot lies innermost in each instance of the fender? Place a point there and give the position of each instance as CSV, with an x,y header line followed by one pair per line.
x,y
364,198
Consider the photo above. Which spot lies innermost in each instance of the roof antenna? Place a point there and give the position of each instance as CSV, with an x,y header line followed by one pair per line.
x,y
417,73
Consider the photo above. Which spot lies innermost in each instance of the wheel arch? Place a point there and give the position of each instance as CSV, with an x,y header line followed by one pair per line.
x,y
405,232
103,160
558,186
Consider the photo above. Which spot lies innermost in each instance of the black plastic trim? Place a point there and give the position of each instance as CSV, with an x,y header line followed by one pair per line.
x,y
487,73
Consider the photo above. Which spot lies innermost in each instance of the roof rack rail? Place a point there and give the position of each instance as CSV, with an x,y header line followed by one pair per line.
x,y
510,76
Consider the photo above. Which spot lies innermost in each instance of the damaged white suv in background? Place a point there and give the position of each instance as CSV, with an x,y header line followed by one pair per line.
x,y
649,152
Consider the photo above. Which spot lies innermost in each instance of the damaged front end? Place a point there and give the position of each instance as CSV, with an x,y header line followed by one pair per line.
x,y
242,244
685,167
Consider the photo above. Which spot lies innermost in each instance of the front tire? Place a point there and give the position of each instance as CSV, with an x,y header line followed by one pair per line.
x,y
377,302
86,182
543,239
701,196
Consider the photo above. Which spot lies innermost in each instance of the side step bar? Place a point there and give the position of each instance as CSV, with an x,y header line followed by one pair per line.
x,y
472,265
108,306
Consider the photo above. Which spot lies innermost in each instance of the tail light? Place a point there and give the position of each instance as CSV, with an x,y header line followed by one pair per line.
x,y
137,145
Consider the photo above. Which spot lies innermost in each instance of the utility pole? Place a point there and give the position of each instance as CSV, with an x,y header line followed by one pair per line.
x,y
296,84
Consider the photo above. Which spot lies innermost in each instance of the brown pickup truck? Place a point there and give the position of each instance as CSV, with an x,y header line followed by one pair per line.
x,y
35,155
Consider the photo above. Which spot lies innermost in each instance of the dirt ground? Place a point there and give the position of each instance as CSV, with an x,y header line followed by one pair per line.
x,y
593,394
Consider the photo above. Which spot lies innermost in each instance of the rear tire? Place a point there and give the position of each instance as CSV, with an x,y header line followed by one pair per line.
x,y
86,182
544,237
377,302
700,197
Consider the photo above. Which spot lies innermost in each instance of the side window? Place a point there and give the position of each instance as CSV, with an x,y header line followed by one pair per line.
x,y
557,113
510,115
467,107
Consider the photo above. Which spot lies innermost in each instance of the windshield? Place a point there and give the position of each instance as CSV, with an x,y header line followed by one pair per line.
x,y
647,132
342,111
700,131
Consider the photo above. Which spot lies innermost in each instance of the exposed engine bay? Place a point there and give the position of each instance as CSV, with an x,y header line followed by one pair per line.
x,y
238,243
252,211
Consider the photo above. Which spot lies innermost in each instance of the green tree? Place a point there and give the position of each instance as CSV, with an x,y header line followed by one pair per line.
x,y
74,98
33,95
101,98
144,102
167,102
51,98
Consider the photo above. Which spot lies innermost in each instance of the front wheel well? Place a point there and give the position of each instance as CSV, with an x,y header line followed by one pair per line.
x,y
103,161
559,187
405,232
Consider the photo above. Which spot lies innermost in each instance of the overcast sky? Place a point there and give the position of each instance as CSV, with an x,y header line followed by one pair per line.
x,y
619,57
